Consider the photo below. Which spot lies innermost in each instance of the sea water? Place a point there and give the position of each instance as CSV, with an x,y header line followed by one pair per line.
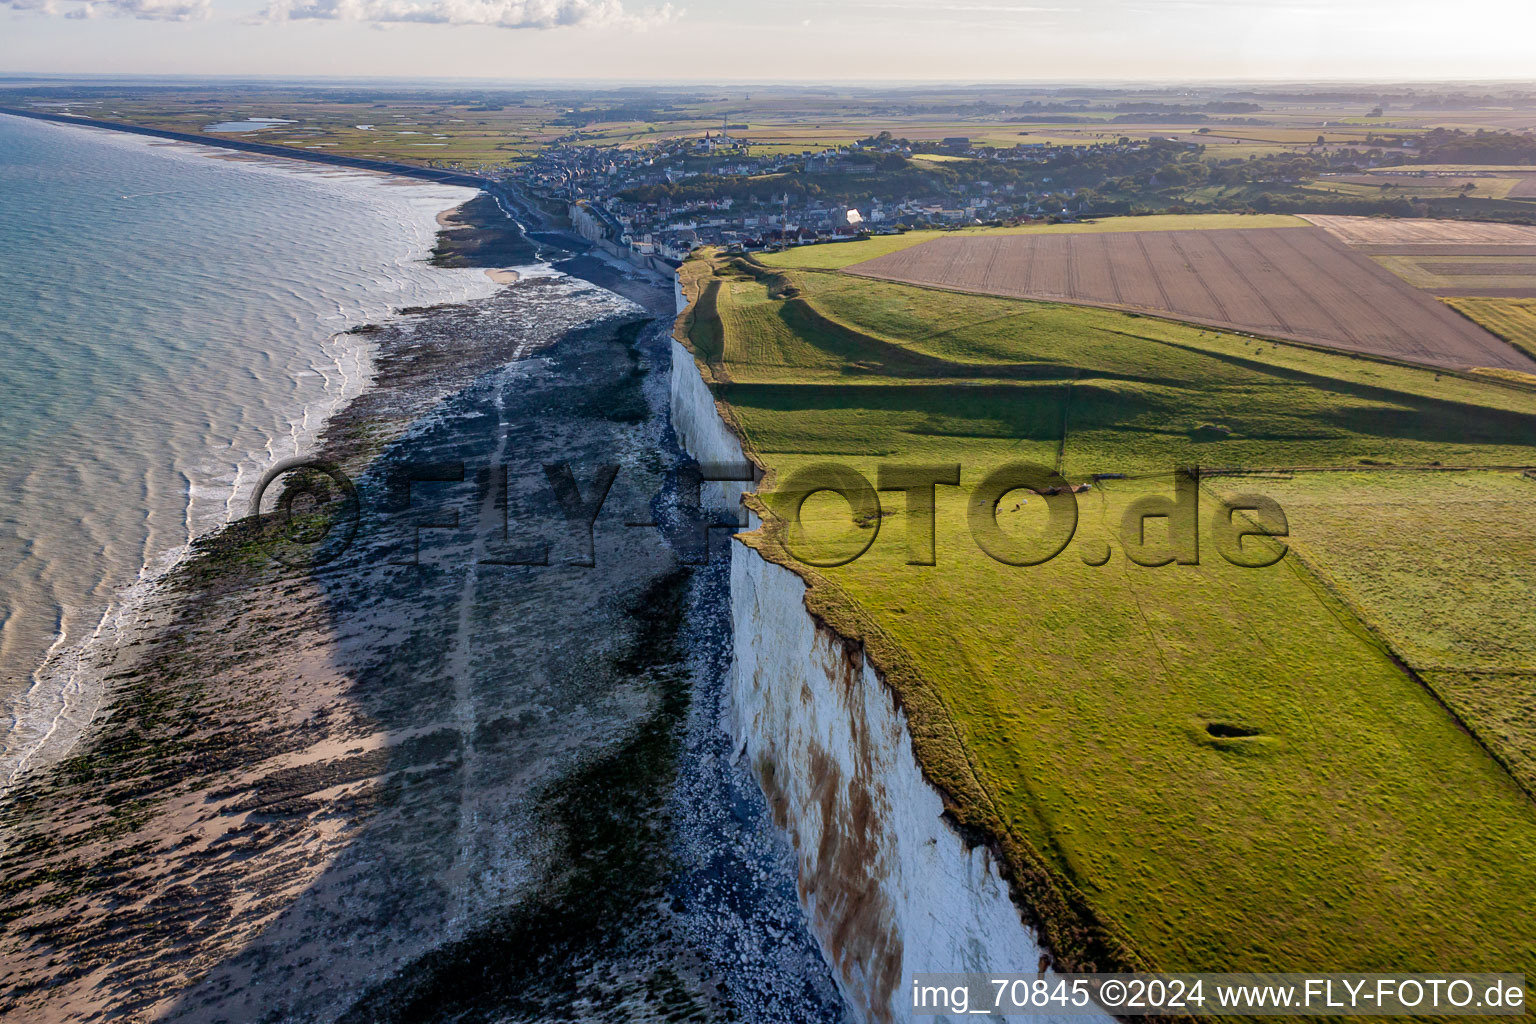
x,y
172,321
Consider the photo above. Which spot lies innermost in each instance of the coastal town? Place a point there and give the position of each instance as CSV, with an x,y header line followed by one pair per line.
x,y
667,199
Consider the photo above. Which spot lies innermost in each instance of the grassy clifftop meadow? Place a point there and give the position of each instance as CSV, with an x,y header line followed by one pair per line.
x,y
1199,767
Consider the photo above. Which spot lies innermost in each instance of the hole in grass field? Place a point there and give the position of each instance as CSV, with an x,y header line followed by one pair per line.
x,y
1226,730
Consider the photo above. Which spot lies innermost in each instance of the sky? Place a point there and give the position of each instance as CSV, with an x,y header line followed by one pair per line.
x,y
778,40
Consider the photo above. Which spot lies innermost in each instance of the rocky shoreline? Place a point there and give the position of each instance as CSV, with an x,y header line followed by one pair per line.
x,y
416,781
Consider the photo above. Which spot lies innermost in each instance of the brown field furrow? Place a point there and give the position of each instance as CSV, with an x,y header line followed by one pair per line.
x,y
1398,328
1030,279
1200,265
1297,284
980,261
965,267
1383,314
993,269
1096,269
1407,319
1235,281
1164,301
1256,259
1048,270
1322,315
1133,271
1525,189
1178,279
1107,254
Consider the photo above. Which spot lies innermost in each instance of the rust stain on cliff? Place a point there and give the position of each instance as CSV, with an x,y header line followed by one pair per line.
x,y
843,885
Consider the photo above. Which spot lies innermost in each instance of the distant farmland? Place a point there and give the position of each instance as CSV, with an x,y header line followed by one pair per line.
x,y
1296,284
1445,258
1469,270
1370,231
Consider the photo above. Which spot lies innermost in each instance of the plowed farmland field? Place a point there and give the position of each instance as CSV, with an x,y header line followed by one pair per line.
x,y
1296,284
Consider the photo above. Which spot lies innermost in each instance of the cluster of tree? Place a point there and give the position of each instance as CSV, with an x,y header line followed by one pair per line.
x,y
1192,118
1089,166
1214,107
1321,202
1041,110
890,177
1409,97
1283,167
1453,146
1441,101
1182,174
1059,118
900,179
875,161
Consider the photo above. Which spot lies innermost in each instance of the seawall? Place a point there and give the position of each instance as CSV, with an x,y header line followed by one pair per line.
x,y
889,886
598,227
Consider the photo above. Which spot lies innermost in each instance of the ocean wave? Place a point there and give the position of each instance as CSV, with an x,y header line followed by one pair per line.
x,y
286,395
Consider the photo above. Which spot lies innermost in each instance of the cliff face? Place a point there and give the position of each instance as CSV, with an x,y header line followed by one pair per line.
x,y
701,431
889,887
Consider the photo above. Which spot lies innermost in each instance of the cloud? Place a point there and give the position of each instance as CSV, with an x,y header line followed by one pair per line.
x,y
144,10
518,14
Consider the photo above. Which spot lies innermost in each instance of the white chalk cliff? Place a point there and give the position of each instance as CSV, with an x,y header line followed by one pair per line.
x,y
889,887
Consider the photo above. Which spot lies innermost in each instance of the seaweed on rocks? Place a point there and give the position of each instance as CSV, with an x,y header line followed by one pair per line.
x,y
592,945
480,234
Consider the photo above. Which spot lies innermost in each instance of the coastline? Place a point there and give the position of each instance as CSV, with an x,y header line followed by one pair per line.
x,y
262,149
283,747
186,589
66,691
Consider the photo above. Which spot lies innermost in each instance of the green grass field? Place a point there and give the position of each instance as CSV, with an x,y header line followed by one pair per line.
x,y
1442,567
1414,188
1199,767
1514,320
